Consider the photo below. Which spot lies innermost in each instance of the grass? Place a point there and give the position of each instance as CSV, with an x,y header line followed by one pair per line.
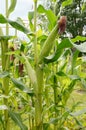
x,y
78,96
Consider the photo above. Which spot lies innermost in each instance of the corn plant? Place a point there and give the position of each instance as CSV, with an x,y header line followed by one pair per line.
x,y
5,61
46,59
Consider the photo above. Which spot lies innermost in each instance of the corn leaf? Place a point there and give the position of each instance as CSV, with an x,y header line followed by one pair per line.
x,y
15,24
67,2
22,86
12,6
17,119
4,74
3,20
50,15
78,38
18,26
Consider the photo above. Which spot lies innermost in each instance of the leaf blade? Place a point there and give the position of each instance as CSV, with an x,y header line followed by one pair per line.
x,y
22,87
17,119
12,6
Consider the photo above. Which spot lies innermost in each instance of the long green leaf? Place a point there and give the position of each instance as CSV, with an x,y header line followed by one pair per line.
x,y
22,86
18,26
30,70
78,38
54,57
15,24
17,119
66,43
50,15
12,6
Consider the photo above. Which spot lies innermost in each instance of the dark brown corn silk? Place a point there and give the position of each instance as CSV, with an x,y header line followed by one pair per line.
x,y
62,24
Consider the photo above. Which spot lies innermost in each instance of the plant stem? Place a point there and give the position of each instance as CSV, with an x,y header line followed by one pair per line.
x,y
38,102
7,25
56,93
39,75
55,97
35,37
5,67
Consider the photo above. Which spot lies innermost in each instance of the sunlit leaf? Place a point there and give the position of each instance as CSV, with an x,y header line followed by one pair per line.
x,y
42,38
16,52
41,9
17,119
15,24
78,38
39,33
67,2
